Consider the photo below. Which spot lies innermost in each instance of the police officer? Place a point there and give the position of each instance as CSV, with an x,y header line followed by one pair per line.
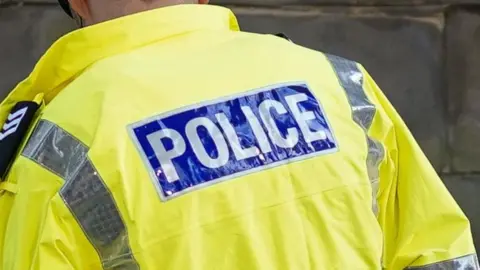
x,y
168,139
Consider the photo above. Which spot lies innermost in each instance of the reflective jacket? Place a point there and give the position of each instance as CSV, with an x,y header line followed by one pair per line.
x,y
171,140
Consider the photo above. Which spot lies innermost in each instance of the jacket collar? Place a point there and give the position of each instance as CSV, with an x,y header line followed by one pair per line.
x,y
72,53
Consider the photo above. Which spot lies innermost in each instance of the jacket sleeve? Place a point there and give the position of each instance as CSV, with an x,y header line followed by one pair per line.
x,y
423,226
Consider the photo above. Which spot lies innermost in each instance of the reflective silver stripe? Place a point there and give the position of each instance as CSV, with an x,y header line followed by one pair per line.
x,y
55,150
469,262
363,112
84,193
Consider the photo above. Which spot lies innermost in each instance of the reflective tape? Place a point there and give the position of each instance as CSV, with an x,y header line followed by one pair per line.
x,y
469,262
55,149
84,193
363,112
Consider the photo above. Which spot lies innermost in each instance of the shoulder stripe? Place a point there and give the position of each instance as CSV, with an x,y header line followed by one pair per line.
x,y
55,149
363,112
84,193
469,262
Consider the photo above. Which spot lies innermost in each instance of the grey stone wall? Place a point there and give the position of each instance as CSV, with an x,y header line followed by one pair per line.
x,y
424,54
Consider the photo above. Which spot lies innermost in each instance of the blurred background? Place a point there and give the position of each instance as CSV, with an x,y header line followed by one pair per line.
x,y
424,54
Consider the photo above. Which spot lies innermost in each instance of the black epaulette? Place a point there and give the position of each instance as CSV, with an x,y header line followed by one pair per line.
x,y
14,130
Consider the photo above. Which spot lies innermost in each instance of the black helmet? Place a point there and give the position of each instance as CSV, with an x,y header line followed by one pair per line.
x,y
66,6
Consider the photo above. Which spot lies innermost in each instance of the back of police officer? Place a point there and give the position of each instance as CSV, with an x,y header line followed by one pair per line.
x,y
169,139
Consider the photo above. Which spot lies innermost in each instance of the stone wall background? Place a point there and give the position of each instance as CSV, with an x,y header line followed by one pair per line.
x,y
424,54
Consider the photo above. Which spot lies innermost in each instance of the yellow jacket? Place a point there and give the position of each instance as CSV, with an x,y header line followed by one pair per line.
x,y
171,140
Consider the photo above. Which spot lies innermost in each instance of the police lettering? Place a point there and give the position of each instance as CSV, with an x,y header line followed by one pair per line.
x,y
224,134
187,148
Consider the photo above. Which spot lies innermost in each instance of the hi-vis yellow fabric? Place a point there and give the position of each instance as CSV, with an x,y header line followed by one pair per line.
x,y
81,193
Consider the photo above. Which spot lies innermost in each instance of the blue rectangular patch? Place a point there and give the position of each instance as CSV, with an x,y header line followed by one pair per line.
x,y
217,140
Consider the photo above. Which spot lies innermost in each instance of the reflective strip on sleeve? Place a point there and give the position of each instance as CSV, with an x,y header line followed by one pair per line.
x,y
84,193
56,150
469,262
363,111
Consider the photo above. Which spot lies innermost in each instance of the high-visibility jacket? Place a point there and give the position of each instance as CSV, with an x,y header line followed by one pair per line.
x,y
171,140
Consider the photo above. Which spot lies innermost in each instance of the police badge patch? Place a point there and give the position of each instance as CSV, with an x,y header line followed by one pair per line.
x,y
217,140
